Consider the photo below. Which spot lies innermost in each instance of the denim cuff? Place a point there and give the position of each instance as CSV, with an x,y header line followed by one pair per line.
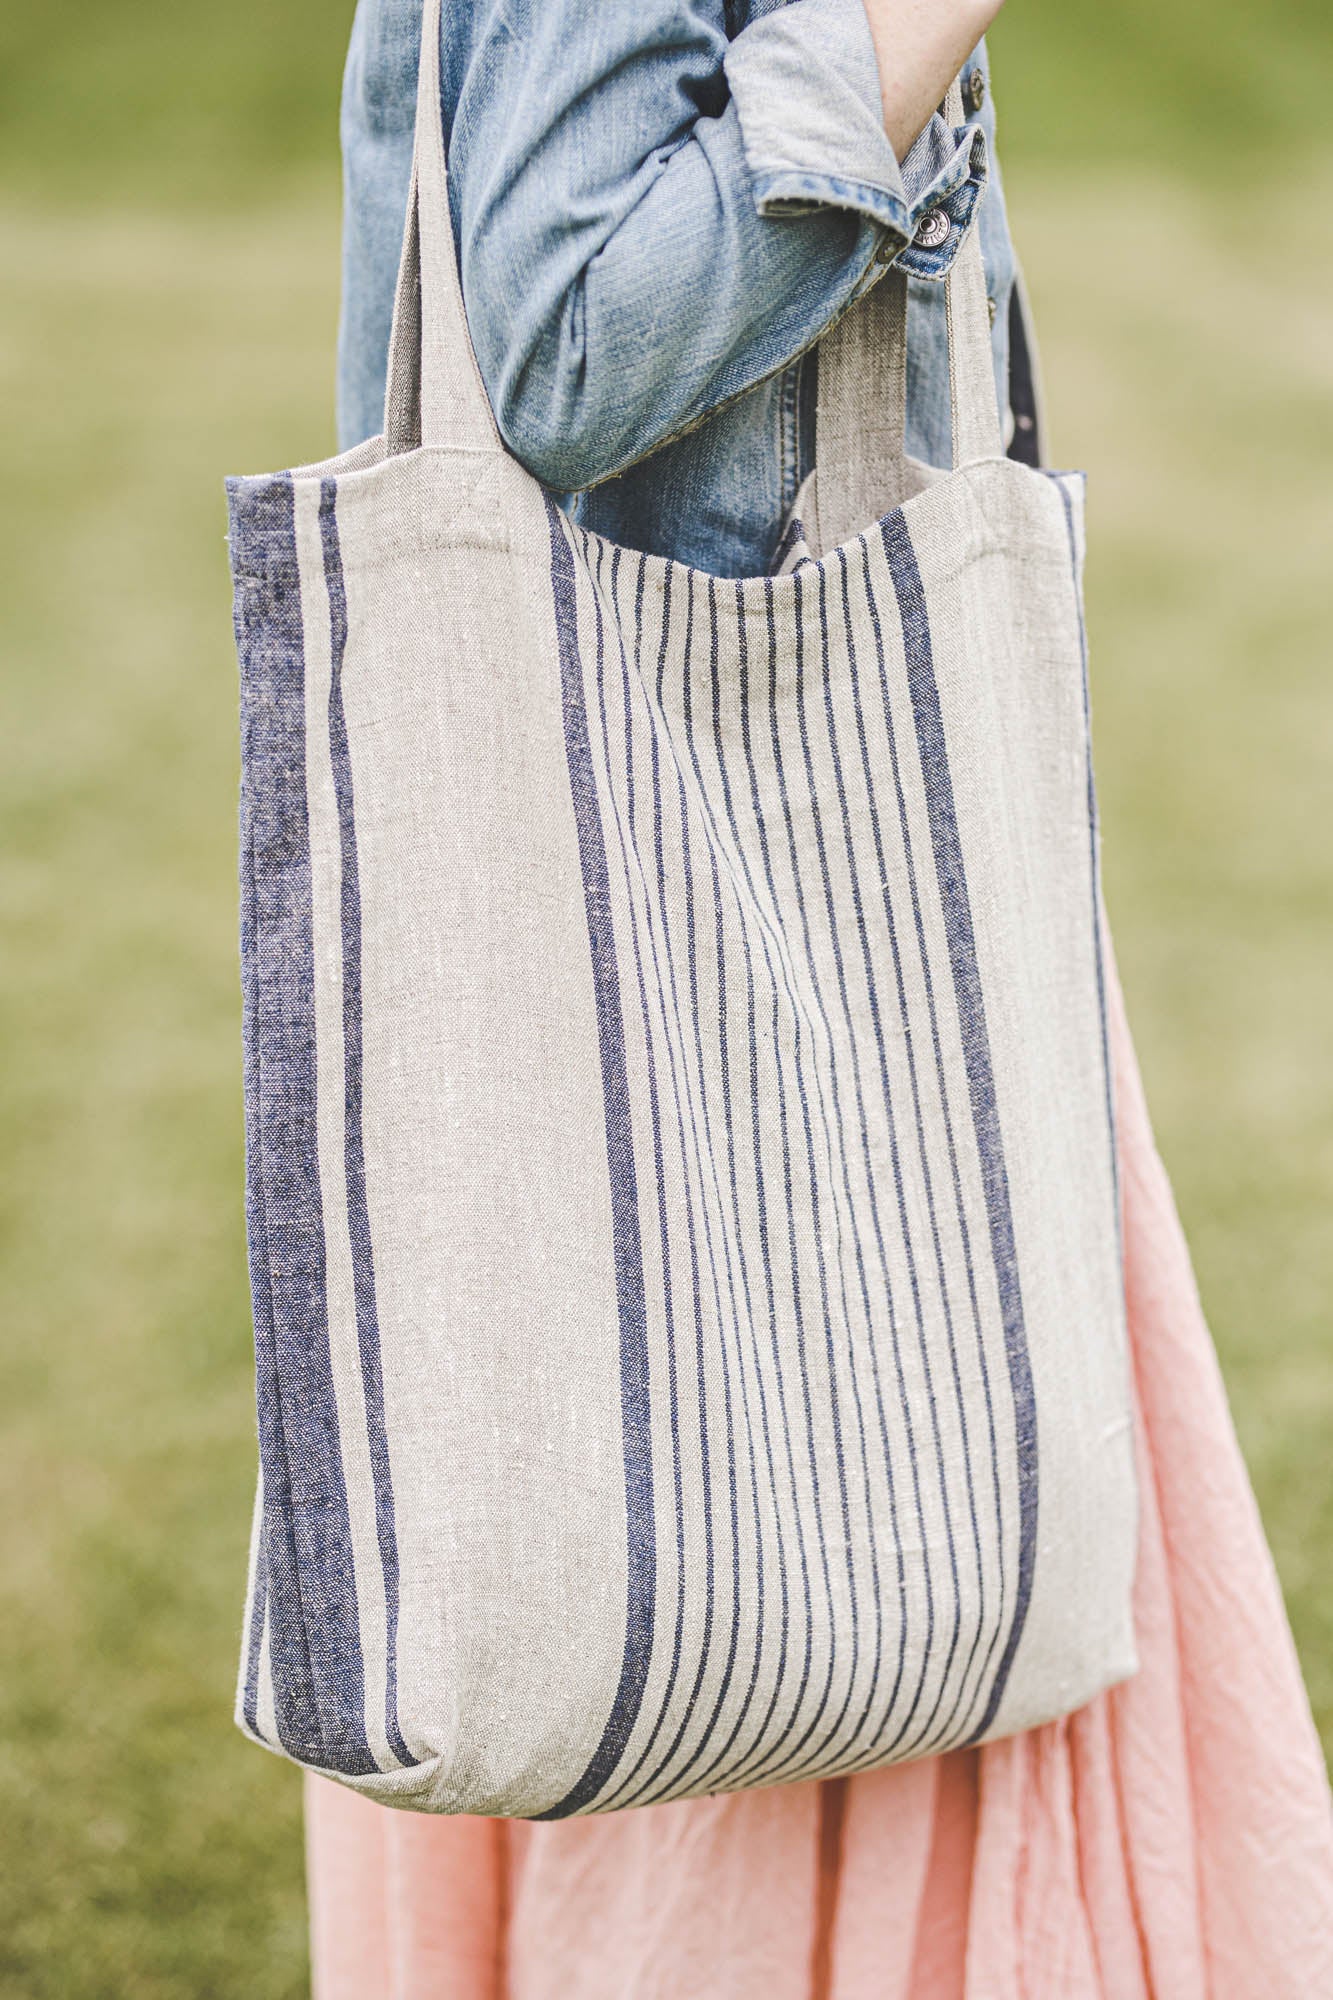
x,y
805,83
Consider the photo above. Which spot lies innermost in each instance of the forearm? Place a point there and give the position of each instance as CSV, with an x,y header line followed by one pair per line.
x,y
651,218
920,46
726,203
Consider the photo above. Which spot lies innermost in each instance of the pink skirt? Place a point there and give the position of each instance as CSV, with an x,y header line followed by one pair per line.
x,y
1173,1839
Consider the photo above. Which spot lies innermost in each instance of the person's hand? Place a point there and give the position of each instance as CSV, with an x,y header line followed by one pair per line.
x,y
920,46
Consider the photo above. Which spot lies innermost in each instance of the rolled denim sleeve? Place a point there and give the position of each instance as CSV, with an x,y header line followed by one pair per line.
x,y
652,216
805,82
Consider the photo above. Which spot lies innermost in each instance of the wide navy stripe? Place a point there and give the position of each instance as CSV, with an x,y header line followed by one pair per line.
x,y
650,995
632,865
314,1634
629,685
354,1160
970,1002
693,1155
610,1799
640,1524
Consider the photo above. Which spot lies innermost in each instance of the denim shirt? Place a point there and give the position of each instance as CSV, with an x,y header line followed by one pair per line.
x,y
659,208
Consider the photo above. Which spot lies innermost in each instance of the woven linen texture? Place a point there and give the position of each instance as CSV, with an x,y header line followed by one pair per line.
x,y
680,1171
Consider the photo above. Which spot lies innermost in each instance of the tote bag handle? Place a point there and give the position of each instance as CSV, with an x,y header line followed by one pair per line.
x,y
861,421
435,394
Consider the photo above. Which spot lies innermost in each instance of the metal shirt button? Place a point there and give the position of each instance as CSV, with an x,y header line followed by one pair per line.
x,y
990,310
932,230
974,90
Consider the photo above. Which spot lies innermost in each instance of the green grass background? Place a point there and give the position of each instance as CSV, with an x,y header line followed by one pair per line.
x,y
168,243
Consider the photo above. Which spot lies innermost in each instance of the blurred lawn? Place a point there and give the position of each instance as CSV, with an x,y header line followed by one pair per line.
x,y
170,247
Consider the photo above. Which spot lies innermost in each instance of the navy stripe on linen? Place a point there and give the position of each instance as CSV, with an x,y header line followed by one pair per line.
x,y
952,879
848,1584
779,1755
886,1085
622,815
718,1770
314,1638
358,1214
928,985
785,990
624,1197
781,977
742,1302
684,1108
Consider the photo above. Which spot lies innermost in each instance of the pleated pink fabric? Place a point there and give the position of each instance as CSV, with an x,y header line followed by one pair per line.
x,y
1171,1841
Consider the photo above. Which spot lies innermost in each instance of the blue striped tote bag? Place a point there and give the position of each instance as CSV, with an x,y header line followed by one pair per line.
x,y
681,1182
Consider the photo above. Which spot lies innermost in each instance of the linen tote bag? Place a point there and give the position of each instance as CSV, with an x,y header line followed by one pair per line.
x,y
680,1173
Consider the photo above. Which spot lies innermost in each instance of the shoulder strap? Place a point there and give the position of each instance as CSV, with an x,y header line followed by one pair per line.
x,y
861,413
435,394
861,416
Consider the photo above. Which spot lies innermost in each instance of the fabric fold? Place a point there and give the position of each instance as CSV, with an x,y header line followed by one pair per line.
x,y
805,84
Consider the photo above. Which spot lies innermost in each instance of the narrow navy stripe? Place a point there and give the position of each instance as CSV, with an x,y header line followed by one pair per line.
x,y
731,1774
629,847
626,831
641,1546
681,1084
891,1116
670,1007
877,1026
753,1771
358,1212
928,982
655,1106
787,1754
714,1770
705,1165
763,1750
741,1321
957,913
628,687
747,1324
837,1165
314,1641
